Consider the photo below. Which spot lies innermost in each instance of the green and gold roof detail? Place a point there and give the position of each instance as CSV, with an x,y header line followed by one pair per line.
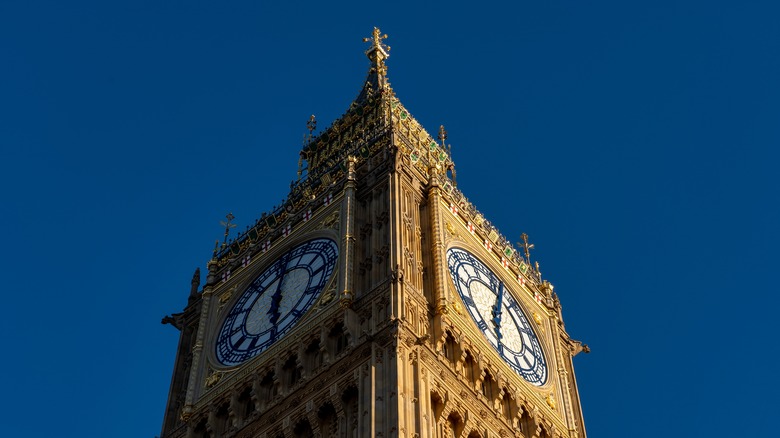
x,y
373,113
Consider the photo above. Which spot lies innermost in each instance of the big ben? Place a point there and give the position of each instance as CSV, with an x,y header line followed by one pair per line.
x,y
376,300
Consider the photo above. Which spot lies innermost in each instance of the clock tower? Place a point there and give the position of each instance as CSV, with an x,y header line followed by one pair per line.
x,y
375,301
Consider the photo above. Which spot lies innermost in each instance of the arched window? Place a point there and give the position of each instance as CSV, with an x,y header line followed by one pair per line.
x,y
488,386
267,390
448,348
338,340
469,369
350,402
437,407
201,430
292,373
222,420
246,406
454,425
313,357
303,429
522,422
328,421
506,406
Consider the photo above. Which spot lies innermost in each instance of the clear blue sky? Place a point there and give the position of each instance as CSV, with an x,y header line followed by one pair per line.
x,y
636,144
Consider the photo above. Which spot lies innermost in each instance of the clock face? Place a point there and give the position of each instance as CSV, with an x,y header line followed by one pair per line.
x,y
275,300
498,315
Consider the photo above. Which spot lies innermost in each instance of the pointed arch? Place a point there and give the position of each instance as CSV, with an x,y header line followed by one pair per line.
x,y
328,420
350,400
449,348
470,369
302,429
437,407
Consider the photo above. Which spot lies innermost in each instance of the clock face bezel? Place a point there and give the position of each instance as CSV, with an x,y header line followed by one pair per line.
x,y
480,289
276,297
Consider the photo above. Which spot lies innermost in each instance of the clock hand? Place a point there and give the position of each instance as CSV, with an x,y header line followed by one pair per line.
x,y
276,298
497,310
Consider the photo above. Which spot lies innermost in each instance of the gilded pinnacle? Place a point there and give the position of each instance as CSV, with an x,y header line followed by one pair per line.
x,y
376,42
442,135
527,247
377,54
228,225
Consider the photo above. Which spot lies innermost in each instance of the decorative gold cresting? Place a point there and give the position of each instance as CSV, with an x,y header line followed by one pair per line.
x,y
377,54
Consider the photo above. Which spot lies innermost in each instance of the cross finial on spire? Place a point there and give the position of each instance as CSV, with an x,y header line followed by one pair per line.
x,y
376,41
526,247
447,147
311,125
227,226
378,52
442,136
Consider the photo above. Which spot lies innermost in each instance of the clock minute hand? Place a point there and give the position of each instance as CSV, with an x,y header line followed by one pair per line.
x,y
497,309
276,298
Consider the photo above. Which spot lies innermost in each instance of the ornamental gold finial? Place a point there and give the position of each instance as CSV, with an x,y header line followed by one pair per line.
x,y
442,136
526,247
227,226
311,125
378,52
448,147
376,40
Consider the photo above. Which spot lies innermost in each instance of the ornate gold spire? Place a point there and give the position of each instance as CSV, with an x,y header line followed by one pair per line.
x,y
377,54
326,152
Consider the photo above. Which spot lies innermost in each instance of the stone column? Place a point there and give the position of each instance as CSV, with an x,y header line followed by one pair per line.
x,y
348,239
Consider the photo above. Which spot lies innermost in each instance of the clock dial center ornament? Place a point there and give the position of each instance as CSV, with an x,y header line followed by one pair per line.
x,y
276,300
498,315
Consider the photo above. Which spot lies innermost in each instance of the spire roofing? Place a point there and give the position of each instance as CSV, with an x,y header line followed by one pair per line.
x,y
377,53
